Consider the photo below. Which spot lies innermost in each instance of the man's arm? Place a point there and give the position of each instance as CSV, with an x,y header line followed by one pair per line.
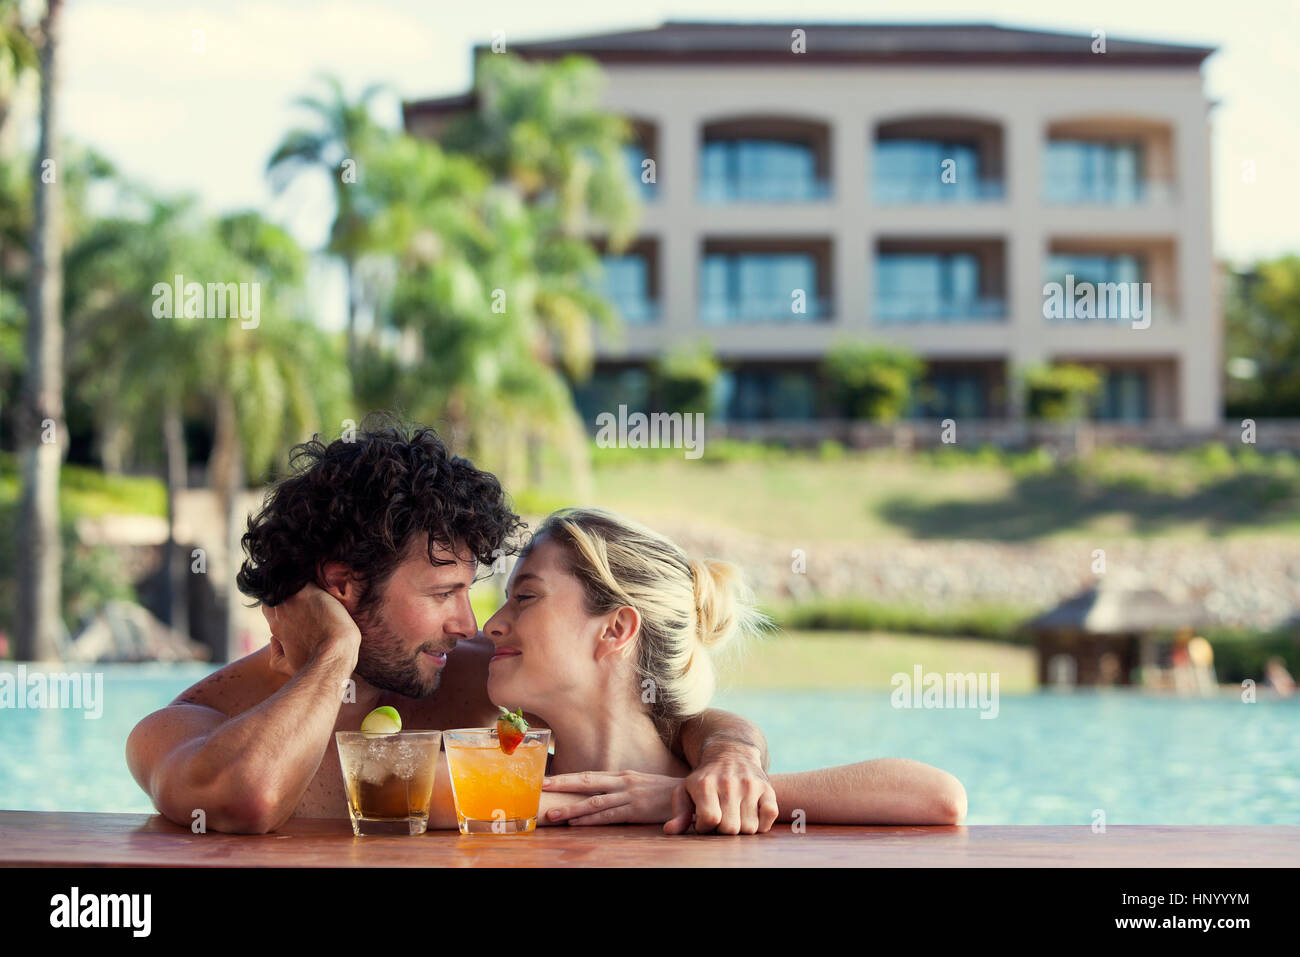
x,y
700,737
248,773
729,788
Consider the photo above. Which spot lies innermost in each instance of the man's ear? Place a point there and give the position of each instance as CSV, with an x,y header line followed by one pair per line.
x,y
337,579
620,630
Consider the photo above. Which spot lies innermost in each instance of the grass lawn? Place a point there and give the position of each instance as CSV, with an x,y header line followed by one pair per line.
x,y
968,495
90,493
868,659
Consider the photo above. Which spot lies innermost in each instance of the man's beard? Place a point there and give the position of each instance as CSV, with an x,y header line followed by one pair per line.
x,y
382,661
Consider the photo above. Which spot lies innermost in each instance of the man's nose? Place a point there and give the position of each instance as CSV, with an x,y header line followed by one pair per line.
x,y
464,625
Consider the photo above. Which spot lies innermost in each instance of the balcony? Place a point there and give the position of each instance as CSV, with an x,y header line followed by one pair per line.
x,y
937,160
1120,282
764,282
630,281
921,281
1100,163
764,160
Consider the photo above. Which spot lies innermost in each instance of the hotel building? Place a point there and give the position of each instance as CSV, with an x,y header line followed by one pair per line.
x,y
916,185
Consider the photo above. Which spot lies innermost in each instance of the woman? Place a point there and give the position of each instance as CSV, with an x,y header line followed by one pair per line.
x,y
606,635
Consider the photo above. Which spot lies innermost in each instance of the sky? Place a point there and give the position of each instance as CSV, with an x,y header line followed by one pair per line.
x,y
193,97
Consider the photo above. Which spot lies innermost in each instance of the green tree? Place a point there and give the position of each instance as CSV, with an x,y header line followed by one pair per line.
x,y
1060,393
470,356
540,130
42,432
1262,316
339,144
270,385
871,382
17,54
685,378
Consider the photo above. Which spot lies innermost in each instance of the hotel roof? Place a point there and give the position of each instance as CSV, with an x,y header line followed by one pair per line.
x,y
678,42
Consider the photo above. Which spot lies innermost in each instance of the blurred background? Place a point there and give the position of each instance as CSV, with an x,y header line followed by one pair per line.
x,y
225,229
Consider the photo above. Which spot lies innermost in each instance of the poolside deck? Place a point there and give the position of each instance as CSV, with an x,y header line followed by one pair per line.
x,y
36,838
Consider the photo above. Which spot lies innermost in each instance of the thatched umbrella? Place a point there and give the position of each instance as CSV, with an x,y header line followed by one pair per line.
x,y
1105,631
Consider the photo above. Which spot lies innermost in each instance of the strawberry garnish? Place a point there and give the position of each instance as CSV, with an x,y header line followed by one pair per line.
x,y
511,727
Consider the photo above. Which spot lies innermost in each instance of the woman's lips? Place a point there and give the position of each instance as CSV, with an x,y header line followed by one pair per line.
x,y
504,653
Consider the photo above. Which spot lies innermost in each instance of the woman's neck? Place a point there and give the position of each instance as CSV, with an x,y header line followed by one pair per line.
x,y
609,737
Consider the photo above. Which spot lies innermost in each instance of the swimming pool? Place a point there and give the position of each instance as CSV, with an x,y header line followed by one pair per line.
x,y
1045,759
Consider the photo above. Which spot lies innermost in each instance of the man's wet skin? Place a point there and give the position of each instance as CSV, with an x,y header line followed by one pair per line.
x,y
419,653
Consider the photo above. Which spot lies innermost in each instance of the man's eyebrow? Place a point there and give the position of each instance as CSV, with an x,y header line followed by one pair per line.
x,y
447,587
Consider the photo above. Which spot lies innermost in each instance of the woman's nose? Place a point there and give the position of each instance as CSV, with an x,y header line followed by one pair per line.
x,y
496,626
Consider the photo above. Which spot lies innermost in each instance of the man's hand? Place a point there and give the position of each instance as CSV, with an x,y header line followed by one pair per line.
x,y
617,797
307,625
729,793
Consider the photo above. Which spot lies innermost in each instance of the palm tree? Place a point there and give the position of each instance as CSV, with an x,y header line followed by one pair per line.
x,y
541,131
136,370
17,55
344,131
42,436
269,386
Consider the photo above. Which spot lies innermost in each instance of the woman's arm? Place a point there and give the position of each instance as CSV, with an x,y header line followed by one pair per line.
x,y
883,791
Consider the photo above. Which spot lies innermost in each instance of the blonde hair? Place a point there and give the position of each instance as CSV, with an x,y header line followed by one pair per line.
x,y
688,608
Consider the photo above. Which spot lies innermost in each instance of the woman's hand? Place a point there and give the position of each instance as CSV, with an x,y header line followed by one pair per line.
x,y
615,797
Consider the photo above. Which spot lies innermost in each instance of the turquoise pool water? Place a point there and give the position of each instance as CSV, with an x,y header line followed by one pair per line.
x,y
1045,759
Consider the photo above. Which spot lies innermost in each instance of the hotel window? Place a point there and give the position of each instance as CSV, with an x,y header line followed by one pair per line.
x,y
1124,396
745,395
1093,171
952,393
1095,269
757,169
910,170
634,155
932,285
607,389
759,287
626,284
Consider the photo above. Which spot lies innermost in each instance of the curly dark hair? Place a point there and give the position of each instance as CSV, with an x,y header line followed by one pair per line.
x,y
360,502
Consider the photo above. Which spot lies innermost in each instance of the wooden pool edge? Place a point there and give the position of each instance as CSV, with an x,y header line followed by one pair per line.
x,y
79,839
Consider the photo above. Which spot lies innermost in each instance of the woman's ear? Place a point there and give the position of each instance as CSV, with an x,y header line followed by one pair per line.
x,y
620,631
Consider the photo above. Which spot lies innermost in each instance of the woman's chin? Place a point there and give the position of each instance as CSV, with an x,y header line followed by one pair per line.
x,y
503,691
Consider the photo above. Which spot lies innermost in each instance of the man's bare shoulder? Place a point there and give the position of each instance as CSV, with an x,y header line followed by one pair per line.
x,y
237,687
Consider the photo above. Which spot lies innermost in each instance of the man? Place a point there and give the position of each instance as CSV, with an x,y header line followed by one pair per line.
x,y
363,560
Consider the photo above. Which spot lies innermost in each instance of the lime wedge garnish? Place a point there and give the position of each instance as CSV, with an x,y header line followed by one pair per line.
x,y
383,720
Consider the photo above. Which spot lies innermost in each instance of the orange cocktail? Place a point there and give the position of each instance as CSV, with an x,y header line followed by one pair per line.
x,y
496,793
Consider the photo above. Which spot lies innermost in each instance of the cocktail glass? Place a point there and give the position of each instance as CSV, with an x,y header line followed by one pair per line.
x,y
496,793
389,779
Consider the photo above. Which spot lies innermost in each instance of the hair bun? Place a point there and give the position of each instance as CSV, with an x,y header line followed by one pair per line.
x,y
724,604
